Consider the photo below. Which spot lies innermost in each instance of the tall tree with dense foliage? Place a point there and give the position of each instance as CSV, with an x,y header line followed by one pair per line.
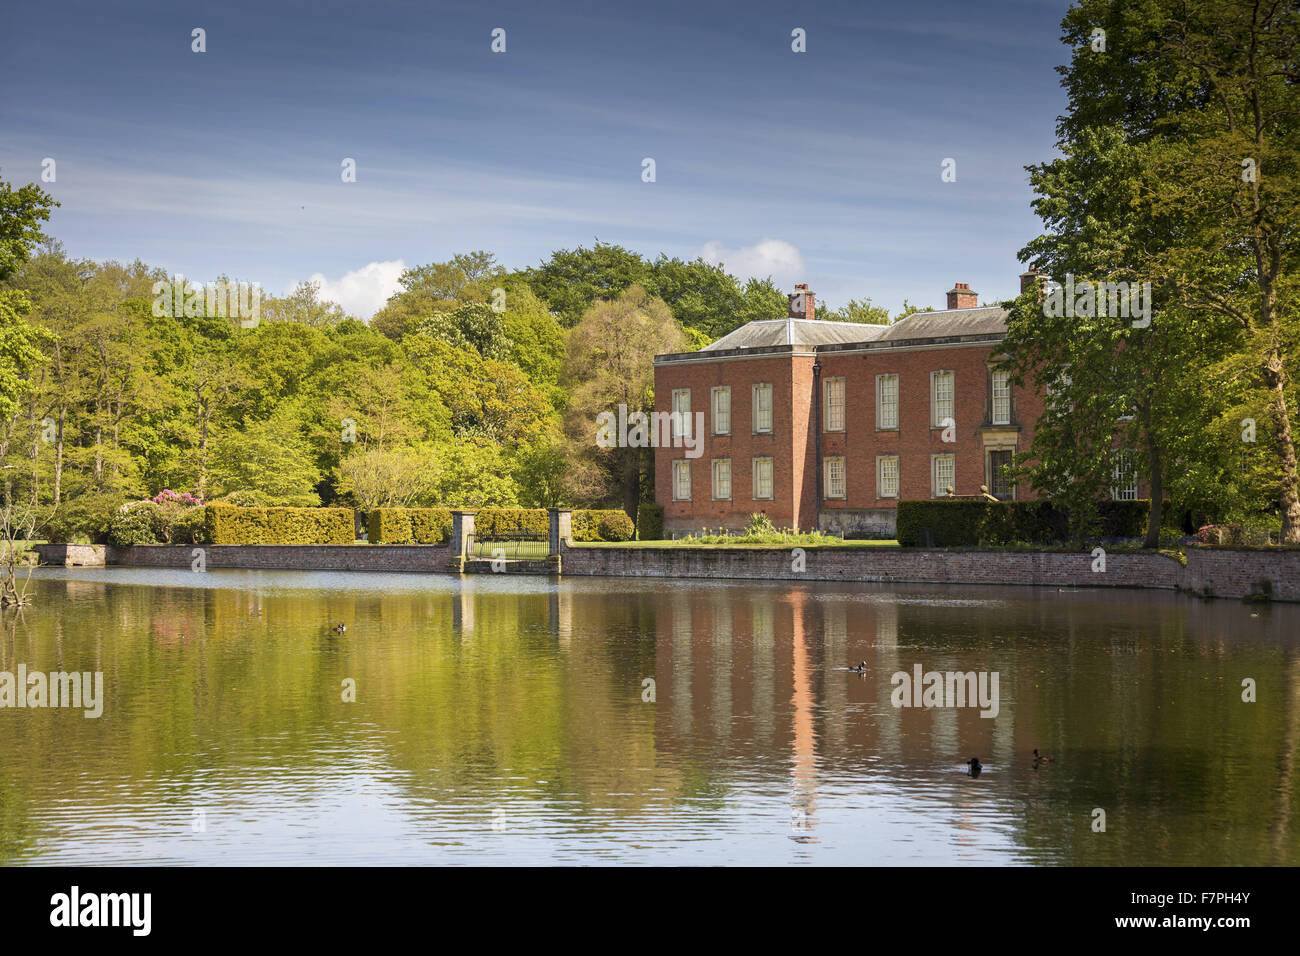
x,y
1203,100
611,363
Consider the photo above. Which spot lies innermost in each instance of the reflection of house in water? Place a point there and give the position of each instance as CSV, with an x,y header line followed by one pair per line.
x,y
762,680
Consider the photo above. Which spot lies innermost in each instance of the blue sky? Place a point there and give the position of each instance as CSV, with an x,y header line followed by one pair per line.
x,y
821,166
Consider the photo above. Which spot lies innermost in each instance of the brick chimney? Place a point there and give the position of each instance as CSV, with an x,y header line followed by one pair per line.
x,y
803,304
1031,278
960,296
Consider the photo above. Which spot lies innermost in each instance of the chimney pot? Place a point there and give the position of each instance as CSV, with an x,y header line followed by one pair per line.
x,y
960,296
803,303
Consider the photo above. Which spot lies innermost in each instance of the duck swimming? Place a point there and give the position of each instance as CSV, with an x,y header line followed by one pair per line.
x,y
860,668
975,766
1040,758
340,628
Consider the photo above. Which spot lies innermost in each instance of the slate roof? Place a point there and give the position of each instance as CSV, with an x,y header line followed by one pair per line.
x,y
798,332
990,320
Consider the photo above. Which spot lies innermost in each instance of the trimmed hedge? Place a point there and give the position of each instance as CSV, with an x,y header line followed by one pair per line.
x,y
493,523
226,524
433,525
604,525
408,526
941,523
649,522
958,522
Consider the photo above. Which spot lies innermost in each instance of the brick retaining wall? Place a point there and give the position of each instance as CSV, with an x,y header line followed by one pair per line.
x,y
1212,572
889,565
289,557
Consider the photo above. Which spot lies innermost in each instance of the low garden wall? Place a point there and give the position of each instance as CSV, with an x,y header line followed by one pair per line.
x,y
1272,573
889,565
288,557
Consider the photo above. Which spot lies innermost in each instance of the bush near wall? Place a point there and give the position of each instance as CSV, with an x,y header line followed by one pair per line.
x,y
941,523
602,525
492,524
408,526
226,524
649,522
958,522
433,525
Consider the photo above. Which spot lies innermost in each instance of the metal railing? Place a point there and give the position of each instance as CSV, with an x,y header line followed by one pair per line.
x,y
510,547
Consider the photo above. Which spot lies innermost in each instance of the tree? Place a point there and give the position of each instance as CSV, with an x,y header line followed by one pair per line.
x,y
610,363
269,458
1207,98
304,306
388,477
854,311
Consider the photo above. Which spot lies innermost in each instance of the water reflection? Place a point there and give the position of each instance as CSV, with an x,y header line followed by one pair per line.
x,y
502,719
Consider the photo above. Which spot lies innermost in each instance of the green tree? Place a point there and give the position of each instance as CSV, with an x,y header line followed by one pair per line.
x,y
610,363
1206,95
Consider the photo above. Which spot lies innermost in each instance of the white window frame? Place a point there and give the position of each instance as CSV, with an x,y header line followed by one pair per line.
x,y
720,406
882,423
1125,470
758,463
758,412
938,490
681,467
681,414
830,407
721,475
1000,392
936,418
832,492
881,491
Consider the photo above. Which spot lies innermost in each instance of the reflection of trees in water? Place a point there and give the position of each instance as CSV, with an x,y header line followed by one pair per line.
x,y
460,689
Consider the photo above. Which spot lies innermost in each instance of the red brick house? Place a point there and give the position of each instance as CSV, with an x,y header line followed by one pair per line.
x,y
829,424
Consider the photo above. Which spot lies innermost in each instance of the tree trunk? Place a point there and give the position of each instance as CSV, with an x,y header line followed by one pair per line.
x,y
58,455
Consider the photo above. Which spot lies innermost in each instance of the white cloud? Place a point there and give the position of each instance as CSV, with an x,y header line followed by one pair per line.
x,y
362,292
768,257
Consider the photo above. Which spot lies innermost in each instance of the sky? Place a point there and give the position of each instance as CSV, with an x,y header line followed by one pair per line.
x,y
822,166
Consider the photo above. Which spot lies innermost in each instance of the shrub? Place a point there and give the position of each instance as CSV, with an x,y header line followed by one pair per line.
x,y
408,525
649,522
1029,522
84,519
508,523
1124,519
225,524
615,526
941,523
133,524
602,525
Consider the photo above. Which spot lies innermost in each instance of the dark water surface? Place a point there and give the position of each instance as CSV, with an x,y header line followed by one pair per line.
x,y
501,719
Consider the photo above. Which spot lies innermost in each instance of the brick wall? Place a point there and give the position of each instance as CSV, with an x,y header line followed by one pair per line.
x,y
793,443
1219,572
296,557
888,565
1212,572
791,379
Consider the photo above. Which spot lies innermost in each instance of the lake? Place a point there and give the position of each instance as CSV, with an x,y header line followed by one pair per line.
x,y
516,719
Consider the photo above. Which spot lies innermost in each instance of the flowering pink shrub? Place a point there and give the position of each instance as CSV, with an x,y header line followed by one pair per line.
x,y
167,496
